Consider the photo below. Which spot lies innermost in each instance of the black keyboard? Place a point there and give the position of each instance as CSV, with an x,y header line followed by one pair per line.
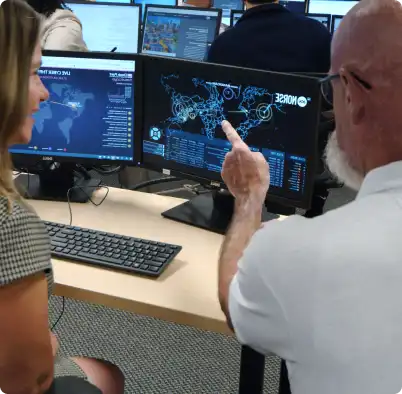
x,y
139,256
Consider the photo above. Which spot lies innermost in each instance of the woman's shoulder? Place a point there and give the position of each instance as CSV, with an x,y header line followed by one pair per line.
x,y
24,243
62,15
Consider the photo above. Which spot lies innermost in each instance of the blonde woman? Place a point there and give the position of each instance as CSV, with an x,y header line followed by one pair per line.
x,y
29,357
61,28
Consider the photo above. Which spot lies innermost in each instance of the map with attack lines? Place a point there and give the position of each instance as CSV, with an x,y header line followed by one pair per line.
x,y
256,105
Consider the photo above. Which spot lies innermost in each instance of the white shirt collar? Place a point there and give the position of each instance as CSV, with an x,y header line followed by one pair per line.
x,y
381,179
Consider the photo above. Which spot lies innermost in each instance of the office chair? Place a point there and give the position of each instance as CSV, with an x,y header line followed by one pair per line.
x,y
72,385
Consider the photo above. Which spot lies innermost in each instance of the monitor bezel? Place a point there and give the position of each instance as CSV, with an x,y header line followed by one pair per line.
x,y
303,203
328,16
94,3
33,159
333,19
180,8
232,14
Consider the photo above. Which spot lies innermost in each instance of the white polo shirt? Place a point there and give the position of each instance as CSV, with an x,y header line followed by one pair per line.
x,y
325,294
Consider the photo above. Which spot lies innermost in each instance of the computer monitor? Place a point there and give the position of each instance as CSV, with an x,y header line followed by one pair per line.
x,y
333,7
325,19
184,104
336,20
235,16
227,6
297,6
88,119
181,32
144,3
109,26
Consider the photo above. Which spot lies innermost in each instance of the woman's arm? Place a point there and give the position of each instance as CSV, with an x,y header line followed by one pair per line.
x,y
26,357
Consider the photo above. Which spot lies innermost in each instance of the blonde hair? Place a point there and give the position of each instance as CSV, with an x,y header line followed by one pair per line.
x,y
19,32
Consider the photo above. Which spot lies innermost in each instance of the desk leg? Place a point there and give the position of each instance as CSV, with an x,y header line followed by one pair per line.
x,y
284,385
252,366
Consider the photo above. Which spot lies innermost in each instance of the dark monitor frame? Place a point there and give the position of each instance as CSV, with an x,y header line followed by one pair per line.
x,y
153,5
184,64
232,15
334,18
131,4
328,16
218,25
31,160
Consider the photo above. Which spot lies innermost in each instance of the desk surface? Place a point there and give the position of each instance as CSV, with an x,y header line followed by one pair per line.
x,y
185,293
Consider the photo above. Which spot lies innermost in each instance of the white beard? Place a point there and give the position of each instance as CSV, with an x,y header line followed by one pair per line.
x,y
339,166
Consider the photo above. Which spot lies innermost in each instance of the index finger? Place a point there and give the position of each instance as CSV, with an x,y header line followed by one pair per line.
x,y
231,134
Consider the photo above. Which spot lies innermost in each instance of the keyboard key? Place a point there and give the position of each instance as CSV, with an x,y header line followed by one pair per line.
x,y
100,258
144,266
58,244
154,269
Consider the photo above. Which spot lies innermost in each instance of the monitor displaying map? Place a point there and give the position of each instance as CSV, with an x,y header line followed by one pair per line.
x,y
109,27
90,110
185,33
275,114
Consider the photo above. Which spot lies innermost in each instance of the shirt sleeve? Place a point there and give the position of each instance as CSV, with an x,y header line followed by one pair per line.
x,y
257,295
65,35
24,245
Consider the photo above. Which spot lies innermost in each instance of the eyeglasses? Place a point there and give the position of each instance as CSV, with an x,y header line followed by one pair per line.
x,y
327,90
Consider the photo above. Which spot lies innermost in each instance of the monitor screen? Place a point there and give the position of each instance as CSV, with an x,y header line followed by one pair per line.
x,y
90,110
298,6
336,20
154,2
185,33
109,26
226,6
235,16
276,114
325,19
333,7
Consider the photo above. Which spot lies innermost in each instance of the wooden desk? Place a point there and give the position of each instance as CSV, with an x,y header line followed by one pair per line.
x,y
185,293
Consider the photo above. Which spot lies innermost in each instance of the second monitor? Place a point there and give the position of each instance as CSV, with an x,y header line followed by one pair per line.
x,y
180,32
184,104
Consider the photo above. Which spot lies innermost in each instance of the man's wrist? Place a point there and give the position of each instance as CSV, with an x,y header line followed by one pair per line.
x,y
250,208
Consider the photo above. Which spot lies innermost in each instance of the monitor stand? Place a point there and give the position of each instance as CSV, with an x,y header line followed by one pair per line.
x,y
210,211
54,183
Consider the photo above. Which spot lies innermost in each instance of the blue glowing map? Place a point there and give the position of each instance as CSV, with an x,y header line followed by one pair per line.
x,y
256,104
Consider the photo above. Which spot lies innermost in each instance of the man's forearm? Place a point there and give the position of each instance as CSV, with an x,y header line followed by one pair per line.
x,y
246,221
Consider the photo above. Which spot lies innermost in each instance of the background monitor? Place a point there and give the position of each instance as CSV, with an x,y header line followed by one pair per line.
x,y
109,26
226,6
89,116
180,32
144,3
325,19
235,16
297,6
336,20
333,7
277,114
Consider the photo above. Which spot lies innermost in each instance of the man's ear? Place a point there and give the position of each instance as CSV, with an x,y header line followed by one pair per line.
x,y
354,96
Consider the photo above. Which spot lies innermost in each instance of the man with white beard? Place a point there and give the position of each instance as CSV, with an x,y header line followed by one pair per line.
x,y
325,294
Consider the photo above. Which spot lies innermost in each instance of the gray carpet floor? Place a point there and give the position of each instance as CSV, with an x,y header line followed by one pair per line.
x,y
156,356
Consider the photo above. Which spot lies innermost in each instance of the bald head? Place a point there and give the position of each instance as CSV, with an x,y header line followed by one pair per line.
x,y
367,55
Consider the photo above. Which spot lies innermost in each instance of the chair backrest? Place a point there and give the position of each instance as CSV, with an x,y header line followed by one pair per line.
x,y
72,385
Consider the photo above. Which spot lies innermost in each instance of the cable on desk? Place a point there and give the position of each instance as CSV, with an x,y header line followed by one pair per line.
x,y
107,170
89,197
152,182
194,189
60,316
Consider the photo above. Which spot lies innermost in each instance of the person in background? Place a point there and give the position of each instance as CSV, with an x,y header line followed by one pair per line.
x,y
325,293
29,355
61,29
270,37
